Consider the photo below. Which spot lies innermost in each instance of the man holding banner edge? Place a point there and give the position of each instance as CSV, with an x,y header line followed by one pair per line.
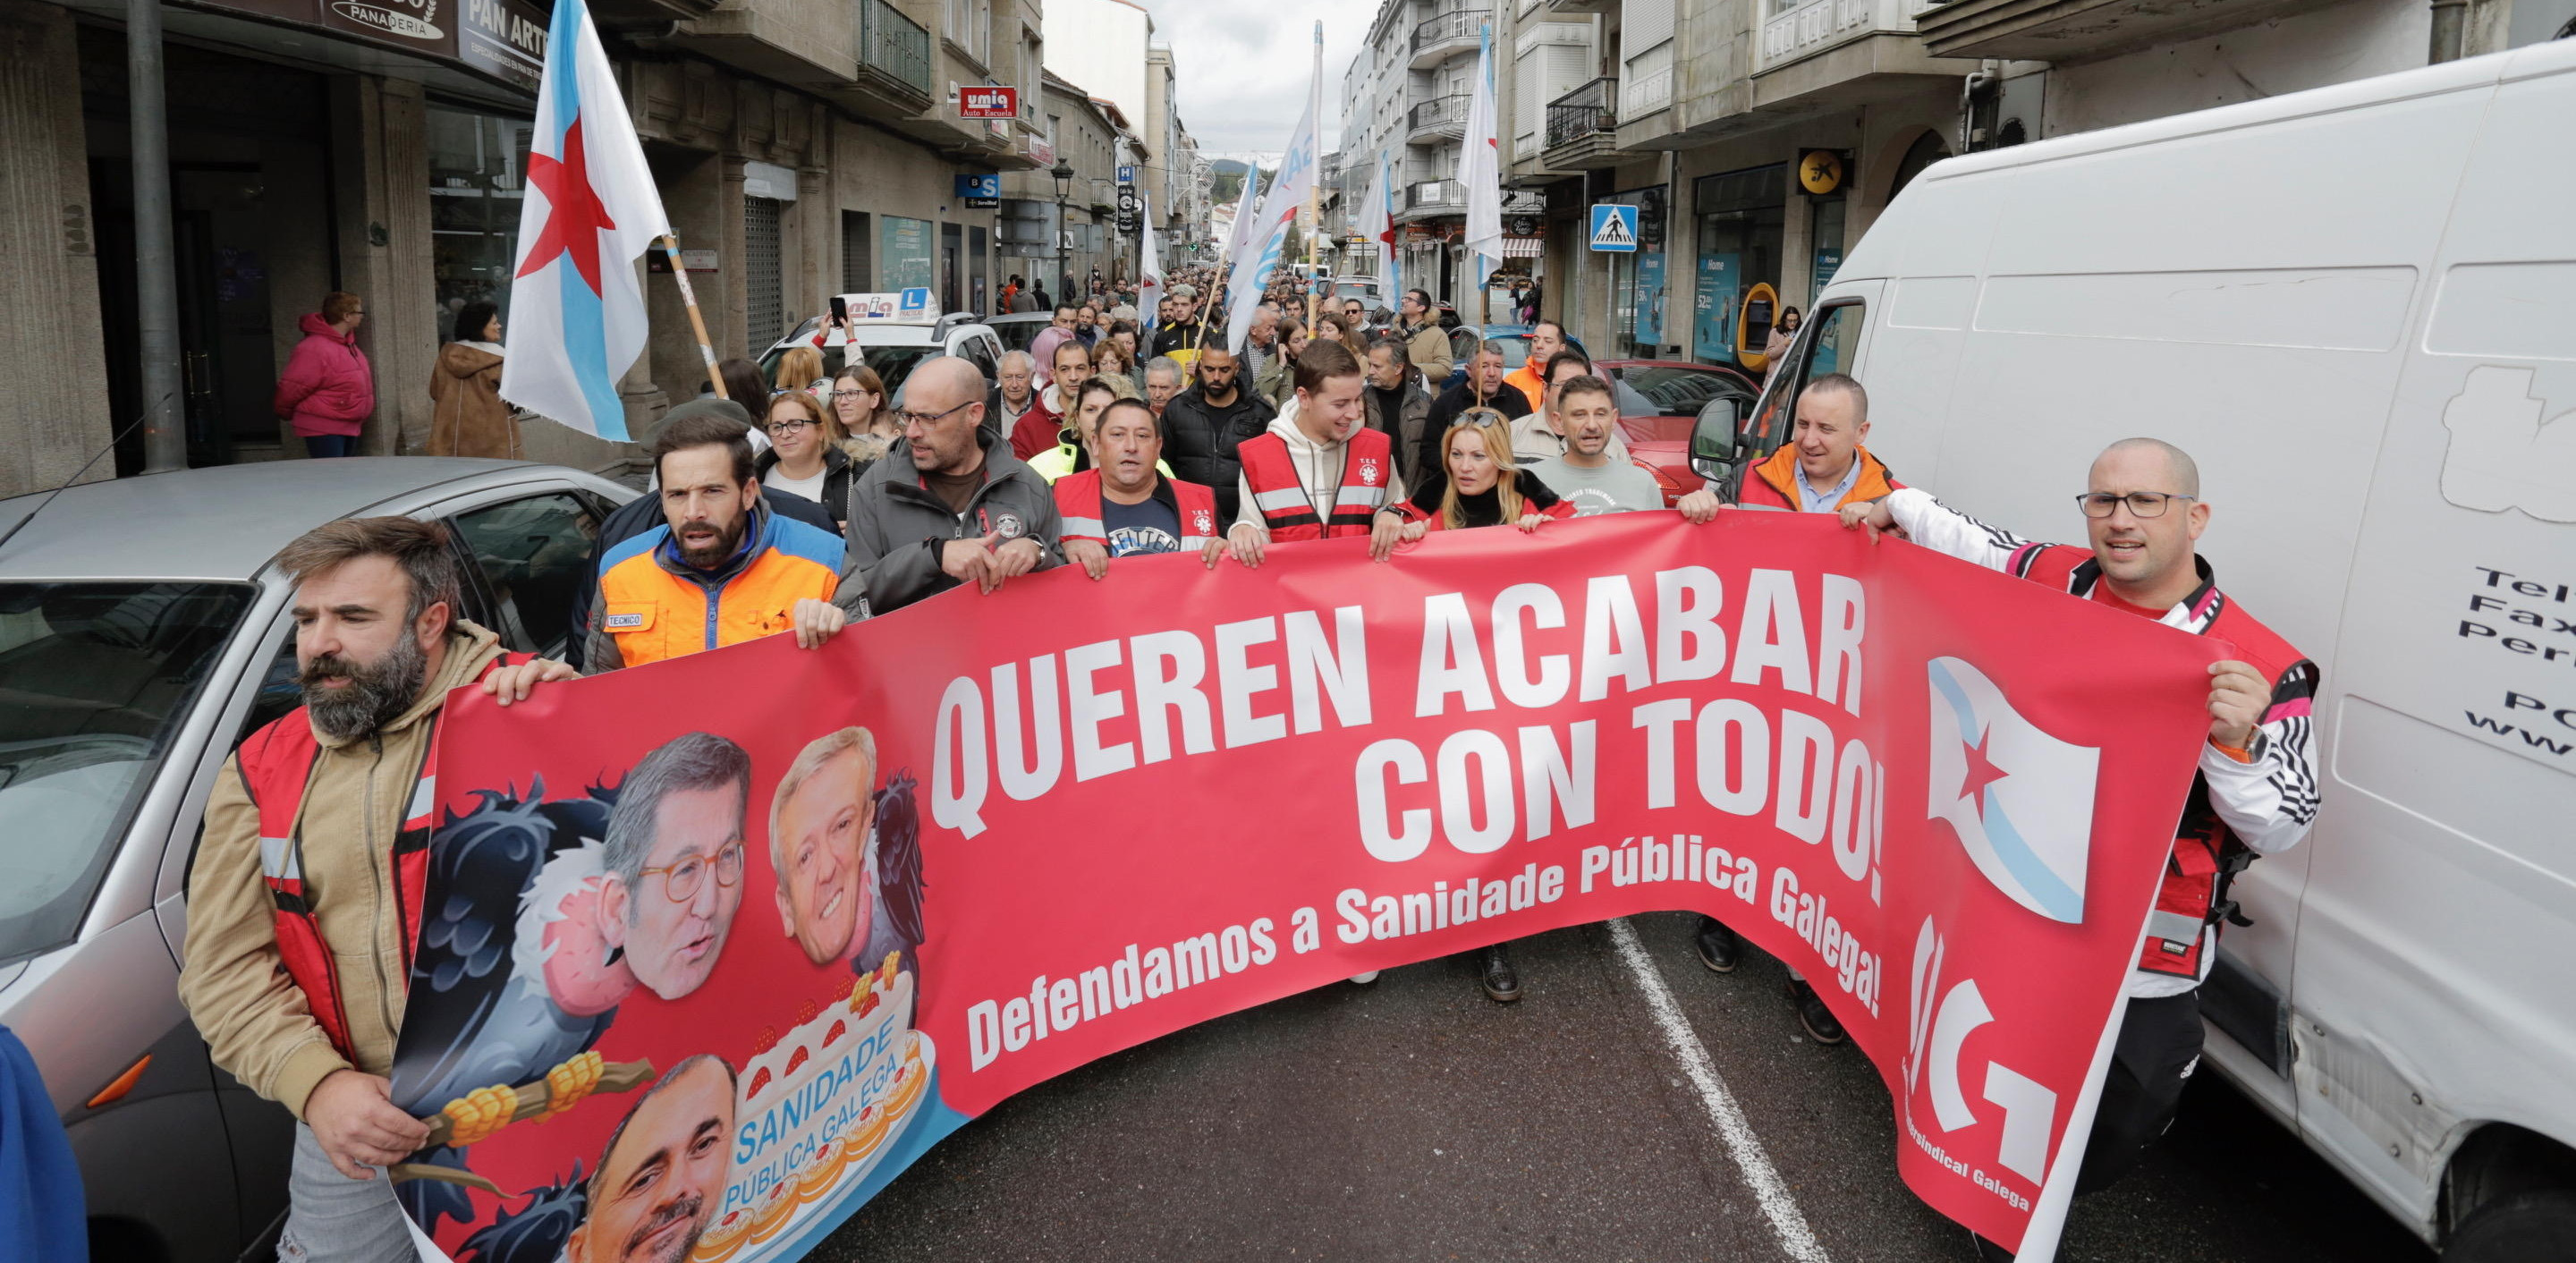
x,y
2255,792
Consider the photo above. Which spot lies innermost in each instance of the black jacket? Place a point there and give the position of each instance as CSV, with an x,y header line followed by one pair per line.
x,y
642,514
840,481
1199,439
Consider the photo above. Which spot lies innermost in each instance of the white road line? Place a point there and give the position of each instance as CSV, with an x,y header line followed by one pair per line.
x,y
1745,1147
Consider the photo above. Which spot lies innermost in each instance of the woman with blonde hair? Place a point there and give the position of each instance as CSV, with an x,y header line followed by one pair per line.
x,y
861,424
1481,485
801,368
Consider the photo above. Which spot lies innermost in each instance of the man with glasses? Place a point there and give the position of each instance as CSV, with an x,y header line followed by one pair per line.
x,y
950,504
2255,791
673,861
719,570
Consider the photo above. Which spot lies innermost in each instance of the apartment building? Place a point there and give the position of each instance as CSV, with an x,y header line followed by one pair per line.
x,y
1760,138
801,151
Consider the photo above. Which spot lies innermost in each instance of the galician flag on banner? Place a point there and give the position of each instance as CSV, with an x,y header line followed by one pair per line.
x,y
577,307
1377,223
1288,193
1480,168
1149,269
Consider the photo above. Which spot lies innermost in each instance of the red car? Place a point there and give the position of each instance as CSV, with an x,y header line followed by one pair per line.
x,y
1659,401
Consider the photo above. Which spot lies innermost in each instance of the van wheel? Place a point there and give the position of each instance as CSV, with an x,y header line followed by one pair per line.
x,y
2523,1228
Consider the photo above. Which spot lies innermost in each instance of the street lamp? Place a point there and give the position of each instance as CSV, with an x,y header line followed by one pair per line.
x,y
1063,173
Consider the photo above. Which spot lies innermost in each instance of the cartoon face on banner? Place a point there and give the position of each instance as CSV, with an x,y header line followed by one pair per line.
x,y
711,981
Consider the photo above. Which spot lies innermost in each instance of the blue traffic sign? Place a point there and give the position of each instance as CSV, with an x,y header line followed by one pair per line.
x,y
1614,229
1127,173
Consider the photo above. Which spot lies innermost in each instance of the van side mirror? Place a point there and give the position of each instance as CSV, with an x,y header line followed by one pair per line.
x,y
1714,445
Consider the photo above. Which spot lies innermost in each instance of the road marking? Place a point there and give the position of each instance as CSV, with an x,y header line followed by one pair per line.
x,y
1746,1148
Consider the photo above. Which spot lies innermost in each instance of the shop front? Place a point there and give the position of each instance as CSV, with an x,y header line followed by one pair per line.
x,y
1742,217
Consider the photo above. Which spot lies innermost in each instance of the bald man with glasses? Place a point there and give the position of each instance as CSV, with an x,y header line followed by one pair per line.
x,y
949,505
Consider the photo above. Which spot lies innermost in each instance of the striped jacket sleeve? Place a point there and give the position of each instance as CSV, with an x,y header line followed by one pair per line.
x,y
1945,530
2270,801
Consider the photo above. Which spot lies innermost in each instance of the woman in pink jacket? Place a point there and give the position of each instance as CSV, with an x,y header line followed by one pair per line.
x,y
327,389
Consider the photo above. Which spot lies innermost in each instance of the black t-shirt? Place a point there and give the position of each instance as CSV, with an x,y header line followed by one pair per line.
x,y
1151,527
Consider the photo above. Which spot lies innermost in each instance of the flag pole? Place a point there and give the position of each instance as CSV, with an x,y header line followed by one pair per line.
x,y
1315,187
689,299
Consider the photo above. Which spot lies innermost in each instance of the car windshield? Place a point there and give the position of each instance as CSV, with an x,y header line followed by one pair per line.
x,y
1664,390
892,363
98,678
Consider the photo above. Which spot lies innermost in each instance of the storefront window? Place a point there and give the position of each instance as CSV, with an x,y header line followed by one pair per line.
x,y
475,163
903,260
1741,214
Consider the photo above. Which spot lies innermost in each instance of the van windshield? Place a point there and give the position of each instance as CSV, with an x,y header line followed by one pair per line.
x,y
96,679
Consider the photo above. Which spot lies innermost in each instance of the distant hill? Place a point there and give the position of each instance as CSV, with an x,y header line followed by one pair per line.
x,y
1226,182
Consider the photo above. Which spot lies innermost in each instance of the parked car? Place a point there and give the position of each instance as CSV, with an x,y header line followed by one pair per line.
x,y
1368,289
1019,332
143,634
894,347
2379,391
1659,402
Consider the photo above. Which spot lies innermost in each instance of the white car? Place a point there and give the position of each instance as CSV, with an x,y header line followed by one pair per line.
x,y
894,345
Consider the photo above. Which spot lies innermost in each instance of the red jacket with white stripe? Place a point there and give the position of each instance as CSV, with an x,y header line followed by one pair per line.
x,y
2239,808
1078,500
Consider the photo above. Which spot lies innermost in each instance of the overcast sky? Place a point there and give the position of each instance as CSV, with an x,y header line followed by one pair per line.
x,y
1244,66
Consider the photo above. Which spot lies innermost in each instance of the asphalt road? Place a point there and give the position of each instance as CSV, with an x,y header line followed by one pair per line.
x,y
1414,1119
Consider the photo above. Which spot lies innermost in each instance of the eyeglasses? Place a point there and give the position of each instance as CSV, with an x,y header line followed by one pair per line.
x,y
910,419
789,426
681,881
2141,503
1481,416
848,394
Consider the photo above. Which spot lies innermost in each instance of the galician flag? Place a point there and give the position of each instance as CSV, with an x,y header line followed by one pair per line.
x,y
1377,223
577,307
1269,232
1480,168
1149,269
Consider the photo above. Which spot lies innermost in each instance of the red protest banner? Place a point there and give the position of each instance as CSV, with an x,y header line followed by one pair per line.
x,y
800,914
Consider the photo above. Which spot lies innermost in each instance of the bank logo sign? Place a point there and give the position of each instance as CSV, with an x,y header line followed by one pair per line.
x,y
2020,800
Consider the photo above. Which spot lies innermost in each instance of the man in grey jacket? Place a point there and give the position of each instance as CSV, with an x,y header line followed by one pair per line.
x,y
949,505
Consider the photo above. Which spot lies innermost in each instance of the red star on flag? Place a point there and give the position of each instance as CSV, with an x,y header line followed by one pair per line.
x,y
574,215
1981,770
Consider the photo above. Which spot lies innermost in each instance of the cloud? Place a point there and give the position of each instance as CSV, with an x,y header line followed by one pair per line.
x,y
1244,67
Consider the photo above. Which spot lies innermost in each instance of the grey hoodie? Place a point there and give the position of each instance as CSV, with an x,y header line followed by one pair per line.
x,y
898,525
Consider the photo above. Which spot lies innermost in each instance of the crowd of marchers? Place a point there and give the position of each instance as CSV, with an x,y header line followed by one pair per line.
x,y
799,509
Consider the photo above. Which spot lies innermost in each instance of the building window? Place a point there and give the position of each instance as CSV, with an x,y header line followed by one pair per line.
x,y
475,165
903,257
764,309
855,252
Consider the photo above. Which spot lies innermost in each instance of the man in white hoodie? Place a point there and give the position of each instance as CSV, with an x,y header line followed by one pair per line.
x,y
1318,472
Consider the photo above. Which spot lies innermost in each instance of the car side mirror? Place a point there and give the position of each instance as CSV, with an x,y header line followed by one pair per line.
x,y
1714,444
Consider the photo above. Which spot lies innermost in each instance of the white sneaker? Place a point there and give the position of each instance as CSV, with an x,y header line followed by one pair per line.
x,y
1366,978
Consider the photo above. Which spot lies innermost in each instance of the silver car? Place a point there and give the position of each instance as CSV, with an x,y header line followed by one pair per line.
x,y
142,636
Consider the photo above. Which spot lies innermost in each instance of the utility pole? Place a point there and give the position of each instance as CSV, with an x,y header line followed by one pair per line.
x,y
156,285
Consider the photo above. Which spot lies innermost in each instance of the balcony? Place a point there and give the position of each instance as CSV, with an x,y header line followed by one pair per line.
x,y
1441,116
1449,34
1583,128
2074,30
1836,53
894,52
1432,199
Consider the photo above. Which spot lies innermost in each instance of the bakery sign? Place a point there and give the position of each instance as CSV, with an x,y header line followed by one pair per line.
x,y
772,941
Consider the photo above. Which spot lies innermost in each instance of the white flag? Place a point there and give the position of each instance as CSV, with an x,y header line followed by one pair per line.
x,y
589,209
1480,167
1149,269
1288,193
1377,223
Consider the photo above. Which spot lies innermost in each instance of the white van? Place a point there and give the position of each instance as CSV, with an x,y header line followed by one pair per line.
x,y
2356,307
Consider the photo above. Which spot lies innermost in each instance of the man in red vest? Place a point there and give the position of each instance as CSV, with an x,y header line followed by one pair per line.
x,y
2256,789
1126,507
1318,472
316,843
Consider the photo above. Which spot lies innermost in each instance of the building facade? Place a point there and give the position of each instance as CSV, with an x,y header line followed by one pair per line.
x,y
1060,218
800,152
1758,139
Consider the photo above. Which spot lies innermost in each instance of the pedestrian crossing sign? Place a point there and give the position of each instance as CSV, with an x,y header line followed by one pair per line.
x,y
1614,229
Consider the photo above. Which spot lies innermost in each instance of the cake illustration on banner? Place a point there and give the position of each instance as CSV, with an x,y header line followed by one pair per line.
x,y
819,1109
